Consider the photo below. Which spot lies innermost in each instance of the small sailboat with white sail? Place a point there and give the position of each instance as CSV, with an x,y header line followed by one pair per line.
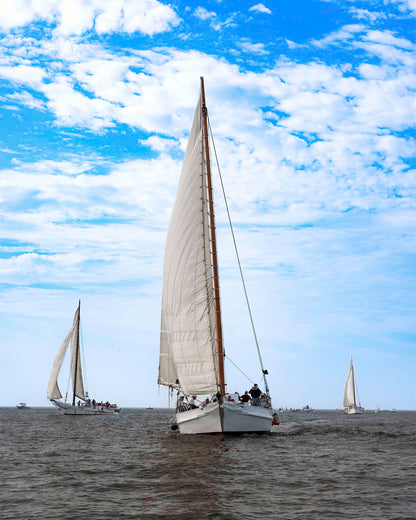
x,y
351,394
84,405
191,342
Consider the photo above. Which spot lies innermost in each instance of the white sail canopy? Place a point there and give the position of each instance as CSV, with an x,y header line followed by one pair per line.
x,y
349,392
73,338
187,342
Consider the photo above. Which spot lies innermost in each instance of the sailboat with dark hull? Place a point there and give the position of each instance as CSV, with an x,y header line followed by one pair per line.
x,y
191,341
84,406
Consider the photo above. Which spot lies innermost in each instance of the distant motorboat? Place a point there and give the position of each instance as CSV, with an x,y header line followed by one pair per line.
x,y
85,406
350,402
23,406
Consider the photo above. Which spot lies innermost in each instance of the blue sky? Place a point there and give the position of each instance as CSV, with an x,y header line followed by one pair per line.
x,y
313,109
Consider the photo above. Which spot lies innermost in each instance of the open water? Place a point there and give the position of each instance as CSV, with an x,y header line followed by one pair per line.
x,y
316,465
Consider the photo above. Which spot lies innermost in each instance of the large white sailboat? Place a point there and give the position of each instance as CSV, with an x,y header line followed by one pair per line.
x,y
191,344
85,405
350,400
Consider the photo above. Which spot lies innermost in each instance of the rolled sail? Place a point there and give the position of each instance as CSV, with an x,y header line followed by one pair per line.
x,y
187,339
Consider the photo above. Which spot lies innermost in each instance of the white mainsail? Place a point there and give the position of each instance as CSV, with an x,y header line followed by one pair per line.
x,y
187,340
349,392
72,337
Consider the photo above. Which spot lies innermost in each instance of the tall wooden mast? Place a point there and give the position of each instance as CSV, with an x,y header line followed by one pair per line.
x,y
214,257
76,356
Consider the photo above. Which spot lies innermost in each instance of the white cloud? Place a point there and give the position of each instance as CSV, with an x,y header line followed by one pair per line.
x,y
387,38
203,14
99,90
72,108
260,8
26,99
405,5
23,74
79,16
255,48
64,203
159,144
345,34
364,14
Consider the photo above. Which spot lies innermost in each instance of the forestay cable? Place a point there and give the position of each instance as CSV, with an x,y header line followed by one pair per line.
x,y
238,260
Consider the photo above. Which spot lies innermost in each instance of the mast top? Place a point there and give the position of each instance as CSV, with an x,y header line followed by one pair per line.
x,y
203,94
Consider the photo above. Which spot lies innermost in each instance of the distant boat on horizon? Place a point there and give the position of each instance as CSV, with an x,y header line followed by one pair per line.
x,y
350,400
23,406
88,406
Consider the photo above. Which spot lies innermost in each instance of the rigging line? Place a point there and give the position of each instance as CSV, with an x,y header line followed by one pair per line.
x,y
84,366
238,256
359,402
239,369
356,391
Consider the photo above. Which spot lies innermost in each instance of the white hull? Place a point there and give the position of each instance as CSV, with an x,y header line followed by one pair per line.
x,y
354,410
225,418
70,409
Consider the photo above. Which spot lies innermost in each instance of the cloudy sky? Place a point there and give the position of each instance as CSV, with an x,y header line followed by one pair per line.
x,y
313,108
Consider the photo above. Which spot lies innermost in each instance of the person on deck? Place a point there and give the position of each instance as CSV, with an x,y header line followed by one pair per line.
x,y
192,402
182,406
245,398
255,393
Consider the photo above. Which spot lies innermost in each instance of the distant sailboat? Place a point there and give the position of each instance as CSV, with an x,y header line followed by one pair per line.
x,y
87,407
191,344
350,401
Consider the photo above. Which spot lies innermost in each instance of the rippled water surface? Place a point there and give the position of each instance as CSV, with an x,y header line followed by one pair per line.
x,y
316,465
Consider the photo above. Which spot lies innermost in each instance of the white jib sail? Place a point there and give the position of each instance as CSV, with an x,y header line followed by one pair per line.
x,y
187,339
72,336
349,392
